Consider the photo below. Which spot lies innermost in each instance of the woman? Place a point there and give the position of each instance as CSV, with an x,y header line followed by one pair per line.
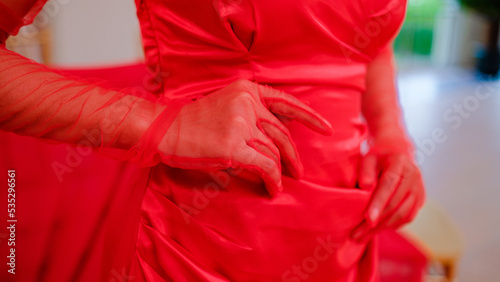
x,y
206,216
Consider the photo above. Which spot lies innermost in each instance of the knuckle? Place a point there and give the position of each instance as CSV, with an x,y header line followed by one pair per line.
x,y
242,83
390,179
379,200
246,96
275,130
233,130
250,156
243,98
391,206
401,159
269,167
413,174
398,216
409,167
237,122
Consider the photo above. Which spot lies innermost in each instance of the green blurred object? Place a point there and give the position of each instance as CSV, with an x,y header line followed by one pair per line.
x,y
415,37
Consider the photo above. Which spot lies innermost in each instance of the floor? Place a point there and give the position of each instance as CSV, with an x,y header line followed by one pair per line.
x,y
454,119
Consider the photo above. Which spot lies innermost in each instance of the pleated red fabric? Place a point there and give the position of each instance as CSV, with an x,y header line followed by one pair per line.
x,y
217,227
174,224
73,207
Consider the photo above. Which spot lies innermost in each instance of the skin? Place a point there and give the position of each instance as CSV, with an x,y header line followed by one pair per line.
x,y
388,169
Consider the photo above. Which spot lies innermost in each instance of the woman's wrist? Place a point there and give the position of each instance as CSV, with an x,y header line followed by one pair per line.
x,y
387,134
391,143
124,130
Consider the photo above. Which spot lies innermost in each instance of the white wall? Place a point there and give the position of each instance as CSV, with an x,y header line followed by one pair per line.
x,y
94,32
106,32
457,36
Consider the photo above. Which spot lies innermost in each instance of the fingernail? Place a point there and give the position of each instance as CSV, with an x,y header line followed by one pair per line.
x,y
328,131
300,170
357,234
369,185
374,214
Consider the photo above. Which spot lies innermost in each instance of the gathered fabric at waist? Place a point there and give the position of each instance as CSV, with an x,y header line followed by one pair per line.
x,y
222,227
324,157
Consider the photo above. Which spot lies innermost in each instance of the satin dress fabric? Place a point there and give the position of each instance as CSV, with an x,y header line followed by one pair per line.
x,y
102,218
78,212
222,226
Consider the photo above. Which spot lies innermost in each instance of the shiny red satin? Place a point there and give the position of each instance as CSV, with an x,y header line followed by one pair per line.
x,y
220,226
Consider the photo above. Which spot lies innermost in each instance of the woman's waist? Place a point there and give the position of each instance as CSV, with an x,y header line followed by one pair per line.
x,y
220,215
182,82
232,194
321,155
342,108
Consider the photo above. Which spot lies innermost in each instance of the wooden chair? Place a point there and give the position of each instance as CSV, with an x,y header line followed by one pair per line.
x,y
35,44
435,233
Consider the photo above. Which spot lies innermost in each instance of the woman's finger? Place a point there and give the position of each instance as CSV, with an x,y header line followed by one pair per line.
x,y
387,220
368,172
410,187
286,105
264,145
361,230
389,181
366,232
403,214
402,191
265,167
283,141
271,126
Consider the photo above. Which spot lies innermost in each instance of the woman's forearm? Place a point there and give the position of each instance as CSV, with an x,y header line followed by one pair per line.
x,y
380,104
36,101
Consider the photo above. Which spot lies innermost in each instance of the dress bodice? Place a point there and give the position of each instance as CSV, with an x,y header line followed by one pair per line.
x,y
316,50
198,46
169,224
198,226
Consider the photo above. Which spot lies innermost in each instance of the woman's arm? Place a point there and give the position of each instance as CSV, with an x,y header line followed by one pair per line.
x,y
231,128
380,106
388,168
36,101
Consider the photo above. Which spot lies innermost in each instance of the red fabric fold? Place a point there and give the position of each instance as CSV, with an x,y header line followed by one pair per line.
x,y
116,221
9,21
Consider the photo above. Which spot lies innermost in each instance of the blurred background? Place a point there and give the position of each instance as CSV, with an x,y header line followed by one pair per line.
x,y
447,54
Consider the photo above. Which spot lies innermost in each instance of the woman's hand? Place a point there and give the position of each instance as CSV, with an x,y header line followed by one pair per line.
x,y
388,170
235,128
398,192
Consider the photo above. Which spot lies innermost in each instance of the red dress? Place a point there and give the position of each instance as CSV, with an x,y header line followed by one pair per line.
x,y
196,226
184,225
